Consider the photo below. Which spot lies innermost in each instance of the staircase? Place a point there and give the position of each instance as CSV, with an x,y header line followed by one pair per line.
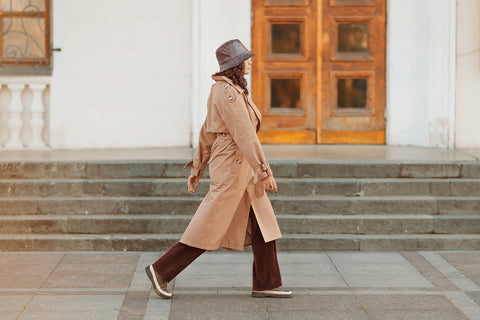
x,y
321,205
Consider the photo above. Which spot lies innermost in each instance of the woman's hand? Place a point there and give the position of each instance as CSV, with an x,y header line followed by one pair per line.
x,y
270,185
192,183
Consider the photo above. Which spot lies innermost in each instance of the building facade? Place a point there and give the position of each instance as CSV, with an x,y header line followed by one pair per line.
x,y
132,74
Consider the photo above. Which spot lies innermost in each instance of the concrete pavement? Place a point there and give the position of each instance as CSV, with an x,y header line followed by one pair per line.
x,y
327,285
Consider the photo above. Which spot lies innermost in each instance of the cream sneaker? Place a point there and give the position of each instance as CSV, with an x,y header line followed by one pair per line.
x,y
159,286
272,293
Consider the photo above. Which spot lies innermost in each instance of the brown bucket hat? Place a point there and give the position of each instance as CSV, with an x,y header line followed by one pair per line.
x,y
231,54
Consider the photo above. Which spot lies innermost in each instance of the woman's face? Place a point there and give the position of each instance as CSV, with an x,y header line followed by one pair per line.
x,y
248,66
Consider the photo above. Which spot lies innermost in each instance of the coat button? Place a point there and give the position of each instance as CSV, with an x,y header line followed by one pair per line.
x,y
230,98
239,161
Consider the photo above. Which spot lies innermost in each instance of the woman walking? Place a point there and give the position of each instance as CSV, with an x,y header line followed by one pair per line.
x,y
236,212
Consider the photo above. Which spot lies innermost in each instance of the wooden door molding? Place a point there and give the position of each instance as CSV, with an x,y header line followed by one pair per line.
x,y
312,87
295,121
353,72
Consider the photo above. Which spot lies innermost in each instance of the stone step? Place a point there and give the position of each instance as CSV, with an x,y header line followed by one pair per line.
x,y
94,224
281,204
298,224
387,242
420,187
289,242
386,169
287,186
93,169
322,205
281,168
380,224
157,187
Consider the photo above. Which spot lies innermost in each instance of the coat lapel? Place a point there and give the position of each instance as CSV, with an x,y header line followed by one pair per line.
x,y
252,105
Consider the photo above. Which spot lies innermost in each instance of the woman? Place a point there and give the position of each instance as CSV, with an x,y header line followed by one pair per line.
x,y
236,212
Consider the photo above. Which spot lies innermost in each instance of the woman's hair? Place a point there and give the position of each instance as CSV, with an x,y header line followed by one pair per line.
x,y
236,74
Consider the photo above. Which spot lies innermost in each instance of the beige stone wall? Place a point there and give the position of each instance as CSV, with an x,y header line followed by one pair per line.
x,y
468,74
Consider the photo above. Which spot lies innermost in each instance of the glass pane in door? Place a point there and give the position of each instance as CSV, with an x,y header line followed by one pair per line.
x,y
285,93
351,2
351,93
352,37
286,2
286,38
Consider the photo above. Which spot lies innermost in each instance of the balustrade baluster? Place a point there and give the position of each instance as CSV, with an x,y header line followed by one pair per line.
x,y
15,122
38,111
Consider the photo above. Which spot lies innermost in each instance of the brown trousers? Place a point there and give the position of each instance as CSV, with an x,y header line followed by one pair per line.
x,y
266,273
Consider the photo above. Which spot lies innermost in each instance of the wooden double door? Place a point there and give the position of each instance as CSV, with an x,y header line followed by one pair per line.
x,y
319,72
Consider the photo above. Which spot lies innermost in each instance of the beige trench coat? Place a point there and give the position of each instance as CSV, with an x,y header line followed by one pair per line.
x,y
237,167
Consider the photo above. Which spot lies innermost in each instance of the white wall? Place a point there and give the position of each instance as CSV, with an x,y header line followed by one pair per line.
x,y
57,83
123,77
468,74
420,72
136,73
218,21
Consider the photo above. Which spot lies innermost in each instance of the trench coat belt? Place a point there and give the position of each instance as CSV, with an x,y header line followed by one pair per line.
x,y
237,152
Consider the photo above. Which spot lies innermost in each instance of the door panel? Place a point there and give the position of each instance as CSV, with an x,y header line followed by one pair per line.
x,y
353,73
319,73
284,77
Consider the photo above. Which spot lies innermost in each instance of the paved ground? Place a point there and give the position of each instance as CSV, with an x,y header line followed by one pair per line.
x,y
327,285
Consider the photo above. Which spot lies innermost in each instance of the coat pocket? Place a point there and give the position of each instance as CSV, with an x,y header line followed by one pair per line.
x,y
259,189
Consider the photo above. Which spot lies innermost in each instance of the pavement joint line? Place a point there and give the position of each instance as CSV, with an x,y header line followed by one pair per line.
x,y
86,289
316,292
157,308
86,293
129,309
449,271
139,281
266,308
212,291
459,251
18,290
395,292
348,285
464,303
39,288
428,271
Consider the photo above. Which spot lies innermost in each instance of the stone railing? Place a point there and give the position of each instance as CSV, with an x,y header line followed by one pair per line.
x,y
24,112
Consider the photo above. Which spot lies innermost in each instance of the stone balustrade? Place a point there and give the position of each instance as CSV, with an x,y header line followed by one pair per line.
x,y
24,112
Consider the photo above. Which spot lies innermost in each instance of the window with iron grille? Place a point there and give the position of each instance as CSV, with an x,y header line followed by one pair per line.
x,y
25,35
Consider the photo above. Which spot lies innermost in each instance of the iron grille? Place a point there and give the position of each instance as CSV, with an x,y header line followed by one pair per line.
x,y
25,37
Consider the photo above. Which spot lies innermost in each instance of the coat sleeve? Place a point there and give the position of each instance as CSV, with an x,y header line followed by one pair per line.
x,y
205,142
233,111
